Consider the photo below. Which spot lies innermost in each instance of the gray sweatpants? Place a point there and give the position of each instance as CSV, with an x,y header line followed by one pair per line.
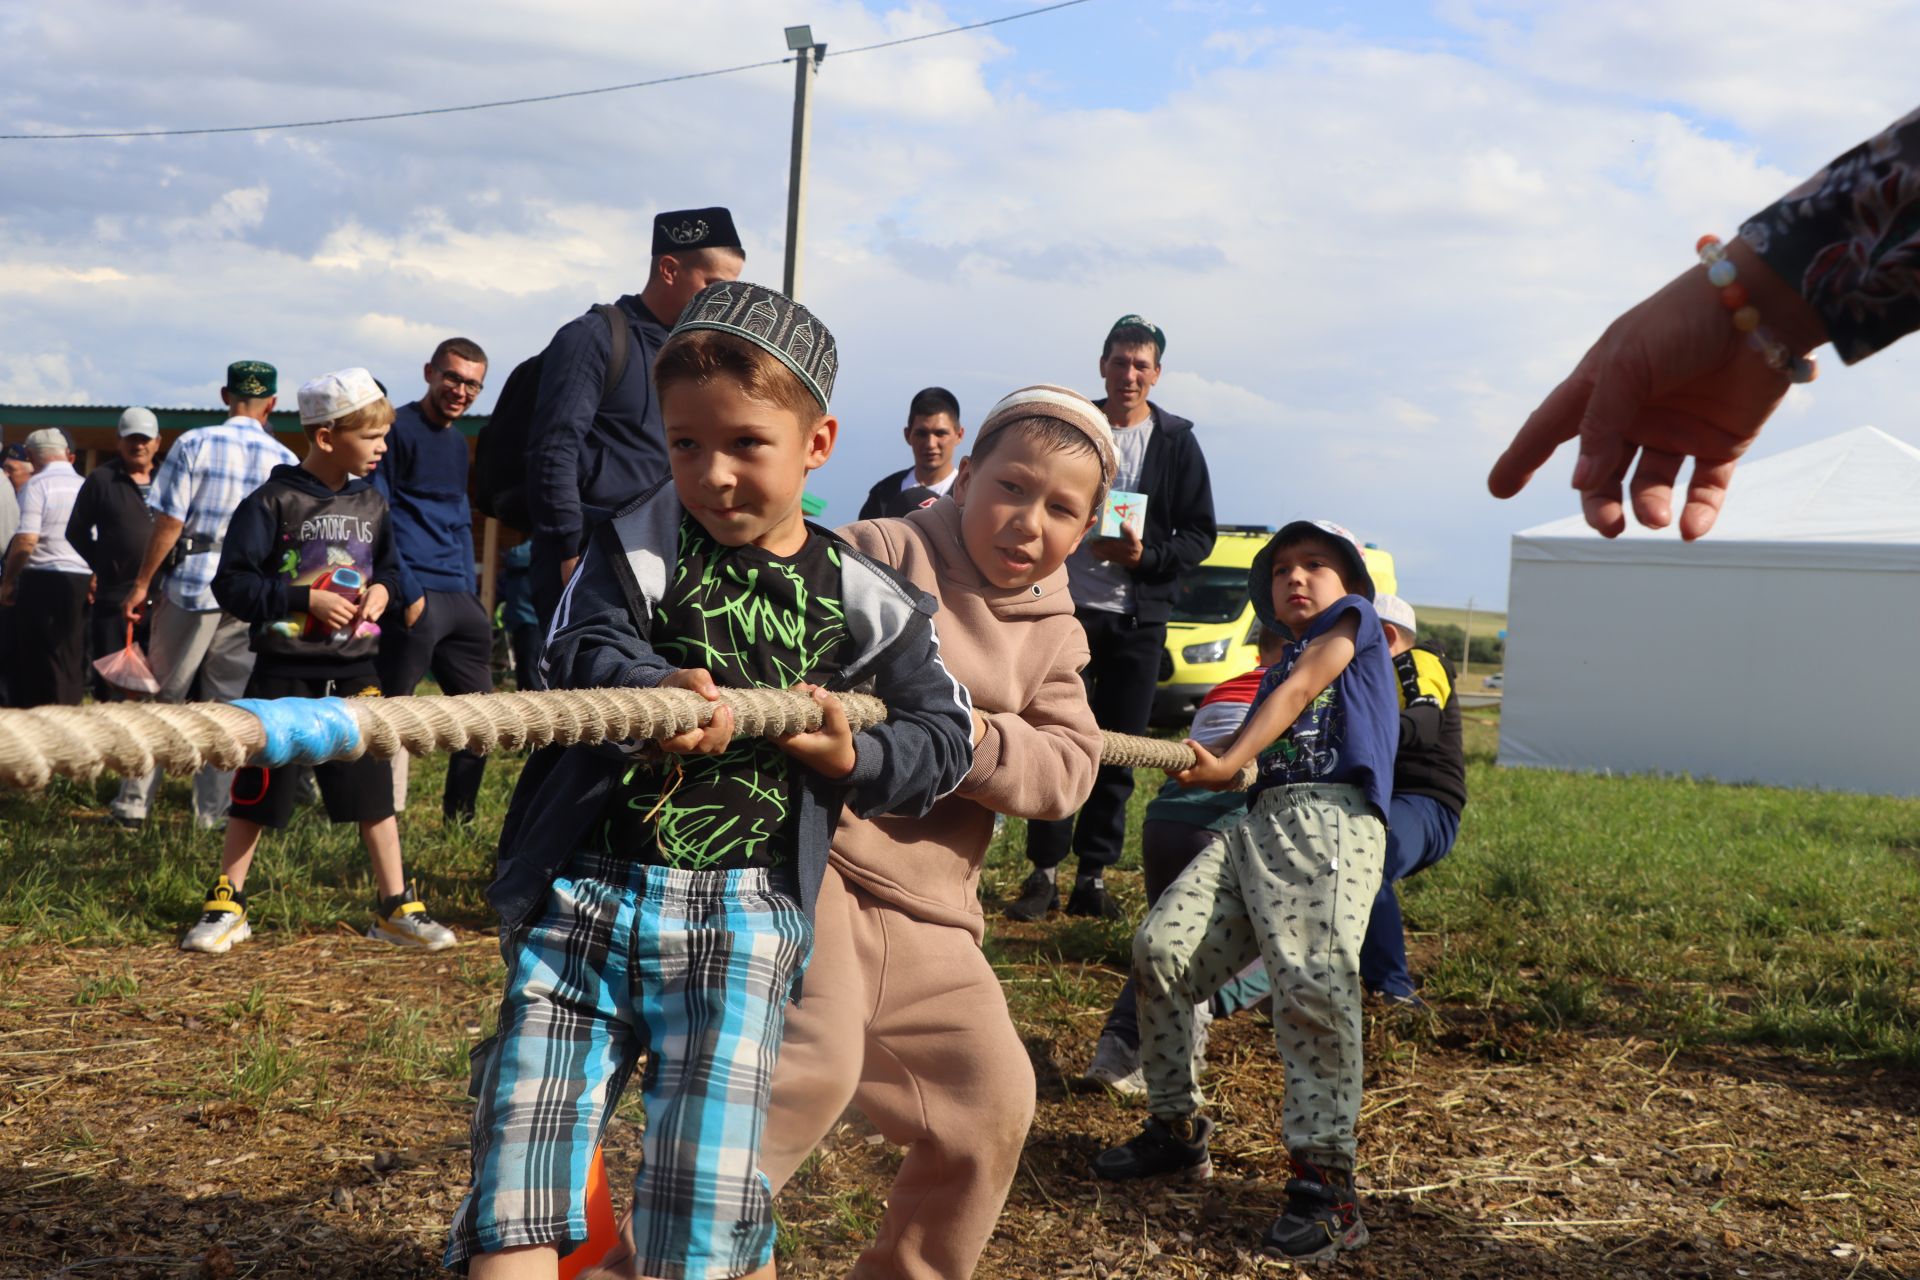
x,y
1293,885
184,644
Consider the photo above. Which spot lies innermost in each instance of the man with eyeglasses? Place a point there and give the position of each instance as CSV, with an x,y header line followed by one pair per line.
x,y
444,628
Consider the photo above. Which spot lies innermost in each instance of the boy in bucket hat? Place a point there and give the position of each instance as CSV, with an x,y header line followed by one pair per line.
x,y
1292,884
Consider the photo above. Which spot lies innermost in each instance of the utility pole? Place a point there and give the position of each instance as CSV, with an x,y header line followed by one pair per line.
x,y
807,59
1466,646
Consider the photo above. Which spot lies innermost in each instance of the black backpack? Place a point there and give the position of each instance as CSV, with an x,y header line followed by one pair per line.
x,y
500,452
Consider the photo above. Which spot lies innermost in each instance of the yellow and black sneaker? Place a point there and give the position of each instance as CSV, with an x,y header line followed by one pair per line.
x,y
223,921
403,921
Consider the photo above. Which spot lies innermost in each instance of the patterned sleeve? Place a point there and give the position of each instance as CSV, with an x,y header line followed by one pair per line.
x,y
1848,239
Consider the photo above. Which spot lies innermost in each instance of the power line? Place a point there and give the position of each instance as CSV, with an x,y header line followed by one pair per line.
x,y
519,102
971,26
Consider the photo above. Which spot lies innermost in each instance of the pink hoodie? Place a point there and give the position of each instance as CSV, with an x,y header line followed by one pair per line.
x,y
1019,651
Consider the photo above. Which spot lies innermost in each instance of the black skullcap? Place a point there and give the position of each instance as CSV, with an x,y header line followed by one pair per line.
x,y
770,320
684,230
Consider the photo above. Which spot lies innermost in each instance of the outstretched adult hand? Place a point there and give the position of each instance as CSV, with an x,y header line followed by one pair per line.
x,y
1670,379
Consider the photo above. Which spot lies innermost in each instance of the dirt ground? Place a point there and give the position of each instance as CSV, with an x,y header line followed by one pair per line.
x,y
292,1109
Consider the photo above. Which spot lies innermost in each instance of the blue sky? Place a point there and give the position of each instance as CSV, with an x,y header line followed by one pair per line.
x,y
1376,234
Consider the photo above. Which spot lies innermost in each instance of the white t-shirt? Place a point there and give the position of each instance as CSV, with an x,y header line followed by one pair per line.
x,y
1099,584
45,505
938,488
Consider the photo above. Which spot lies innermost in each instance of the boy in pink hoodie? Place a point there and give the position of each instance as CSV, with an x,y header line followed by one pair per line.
x,y
903,1017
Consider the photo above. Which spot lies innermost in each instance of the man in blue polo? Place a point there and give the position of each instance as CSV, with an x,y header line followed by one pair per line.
x,y
444,628
593,448
195,644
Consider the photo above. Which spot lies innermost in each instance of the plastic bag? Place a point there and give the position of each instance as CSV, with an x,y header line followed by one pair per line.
x,y
127,670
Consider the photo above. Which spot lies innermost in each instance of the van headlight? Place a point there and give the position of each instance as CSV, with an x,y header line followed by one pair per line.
x,y
1211,651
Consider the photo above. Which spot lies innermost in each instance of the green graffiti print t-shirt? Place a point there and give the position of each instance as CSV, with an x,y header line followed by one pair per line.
x,y
754,620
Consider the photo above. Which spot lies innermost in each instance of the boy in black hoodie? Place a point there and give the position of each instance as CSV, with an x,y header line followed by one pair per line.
x,y
308,562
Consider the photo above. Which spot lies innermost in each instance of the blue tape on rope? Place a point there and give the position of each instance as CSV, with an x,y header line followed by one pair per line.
x,y
303,730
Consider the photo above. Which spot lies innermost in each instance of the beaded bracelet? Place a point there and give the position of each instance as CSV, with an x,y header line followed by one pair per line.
x,y
1722,275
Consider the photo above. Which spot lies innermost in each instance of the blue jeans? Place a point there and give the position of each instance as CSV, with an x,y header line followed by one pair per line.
x,y
1420,832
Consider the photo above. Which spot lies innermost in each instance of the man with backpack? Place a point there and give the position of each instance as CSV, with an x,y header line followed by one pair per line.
x,y
441,625
594,438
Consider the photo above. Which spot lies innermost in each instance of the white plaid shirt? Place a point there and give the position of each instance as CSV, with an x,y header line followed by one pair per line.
x,y
206,474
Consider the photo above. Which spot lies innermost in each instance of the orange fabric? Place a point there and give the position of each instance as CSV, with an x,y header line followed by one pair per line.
x,y
603,1233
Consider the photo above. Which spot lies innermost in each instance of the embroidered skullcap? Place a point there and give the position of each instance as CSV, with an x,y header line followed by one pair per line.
x,y
335,395
771,321
1061,405
685,230
252,379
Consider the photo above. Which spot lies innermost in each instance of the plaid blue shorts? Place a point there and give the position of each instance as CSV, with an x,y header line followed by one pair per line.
x,y
693,968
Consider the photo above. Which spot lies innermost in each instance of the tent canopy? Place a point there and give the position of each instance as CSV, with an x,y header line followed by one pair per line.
x,y
1773,650
1843,500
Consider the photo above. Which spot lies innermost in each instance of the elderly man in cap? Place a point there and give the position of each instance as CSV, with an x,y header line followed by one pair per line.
x,y
109,527
594,447
46,581
206,474
441,625
1123,594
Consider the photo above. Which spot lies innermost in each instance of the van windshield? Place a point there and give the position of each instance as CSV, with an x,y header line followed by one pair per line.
x,y
1211,593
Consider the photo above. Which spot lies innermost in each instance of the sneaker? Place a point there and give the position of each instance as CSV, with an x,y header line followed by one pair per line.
x,y
1090,899
403,921
1164,1148
1116,1065
223,921
1322,1217
1038,896
123,822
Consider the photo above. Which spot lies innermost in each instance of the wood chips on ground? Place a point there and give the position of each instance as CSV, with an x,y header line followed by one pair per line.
x,y
279,1112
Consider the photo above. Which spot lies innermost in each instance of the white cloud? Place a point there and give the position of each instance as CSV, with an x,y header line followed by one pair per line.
x,y
44,377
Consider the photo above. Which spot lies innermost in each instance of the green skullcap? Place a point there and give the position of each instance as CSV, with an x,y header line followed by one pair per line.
x,y
1132,321
252,379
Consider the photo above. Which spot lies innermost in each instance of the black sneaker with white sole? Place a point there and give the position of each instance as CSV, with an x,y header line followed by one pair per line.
x,y
1322,1217
1164,1148
1091,899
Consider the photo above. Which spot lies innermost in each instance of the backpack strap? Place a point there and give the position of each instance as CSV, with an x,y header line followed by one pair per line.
x,y
622,339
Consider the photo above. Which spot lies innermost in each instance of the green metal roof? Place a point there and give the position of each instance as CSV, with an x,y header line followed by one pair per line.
x,y
107,416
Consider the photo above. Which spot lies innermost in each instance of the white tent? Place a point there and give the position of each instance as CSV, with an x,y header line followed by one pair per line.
x,y
1778,649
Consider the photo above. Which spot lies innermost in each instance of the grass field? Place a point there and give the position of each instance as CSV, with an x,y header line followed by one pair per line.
x,y
1675,1031
1485,622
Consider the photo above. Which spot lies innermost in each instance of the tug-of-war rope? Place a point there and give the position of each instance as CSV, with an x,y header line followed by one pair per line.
x,y
133,738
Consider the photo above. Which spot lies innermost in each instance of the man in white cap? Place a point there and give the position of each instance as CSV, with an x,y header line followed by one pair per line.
x,y
47,580
109,528
206,474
